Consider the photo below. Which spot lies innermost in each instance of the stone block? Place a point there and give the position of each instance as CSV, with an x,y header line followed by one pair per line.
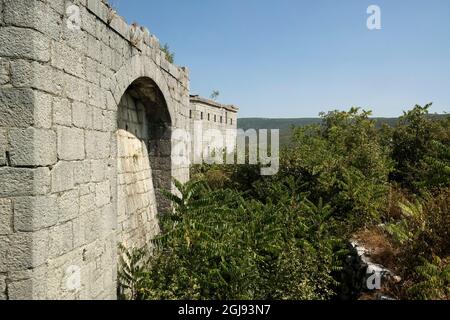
x,y
102,194
82,172
6,216
97,144
67,59
81,115
20,290
32,74
75,88
16,107
68,206
61,240
33,14
3,282
62,111
34,213
98,170
70,143
32,147
98,119
23,250
21,43
41,181
3,147
42,110
62,176
97,97
87,203
5,71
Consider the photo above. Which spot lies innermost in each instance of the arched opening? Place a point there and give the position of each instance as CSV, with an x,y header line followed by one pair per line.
x,y
144,162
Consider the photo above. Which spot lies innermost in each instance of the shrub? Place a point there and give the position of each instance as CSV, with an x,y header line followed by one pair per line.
x,y
343,162
420,150
217,245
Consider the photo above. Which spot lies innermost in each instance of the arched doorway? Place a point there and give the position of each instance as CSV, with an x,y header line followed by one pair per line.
x,y
144,162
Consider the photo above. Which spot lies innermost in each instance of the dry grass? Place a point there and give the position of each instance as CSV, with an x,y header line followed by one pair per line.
x,y
380,249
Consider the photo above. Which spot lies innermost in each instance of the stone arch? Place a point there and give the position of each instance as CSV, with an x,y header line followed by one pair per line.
x,y
144,164
141,67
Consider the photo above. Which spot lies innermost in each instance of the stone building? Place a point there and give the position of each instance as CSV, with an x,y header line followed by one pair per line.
x,y
88,105
216,121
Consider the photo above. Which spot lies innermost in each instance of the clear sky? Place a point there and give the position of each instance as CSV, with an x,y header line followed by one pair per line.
x,y
295,58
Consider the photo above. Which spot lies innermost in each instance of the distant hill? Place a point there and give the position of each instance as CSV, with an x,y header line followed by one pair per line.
x,y
286,125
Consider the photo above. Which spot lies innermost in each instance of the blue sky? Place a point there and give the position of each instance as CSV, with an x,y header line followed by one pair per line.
x,y
295,58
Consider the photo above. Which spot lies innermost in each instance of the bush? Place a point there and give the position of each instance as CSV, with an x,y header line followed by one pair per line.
x,y
217,245
423,239
420,149
342,162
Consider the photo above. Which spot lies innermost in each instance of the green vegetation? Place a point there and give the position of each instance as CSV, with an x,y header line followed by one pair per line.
x,y
287,125
170,56
214,95
234,234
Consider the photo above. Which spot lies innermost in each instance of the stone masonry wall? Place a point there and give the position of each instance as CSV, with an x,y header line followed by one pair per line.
x,y
215,118
136,209
59,178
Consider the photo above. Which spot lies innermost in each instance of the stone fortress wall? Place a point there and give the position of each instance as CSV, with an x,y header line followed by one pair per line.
x,y
86,117
214,118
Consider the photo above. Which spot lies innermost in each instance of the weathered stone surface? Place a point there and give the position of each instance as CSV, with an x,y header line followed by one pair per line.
x,y
42,110
2,282
62,112
5,71
3,147
20,181
68,60
68,206
102,194
34,213
81,115
41,181
32,74
97,144
6,214
62,176
32,147
16,107
29,13
82,171
24,44
98,170
20,290
70,143
61,240
23,250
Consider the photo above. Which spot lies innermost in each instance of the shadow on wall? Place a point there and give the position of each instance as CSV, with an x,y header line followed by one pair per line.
x,y
144,162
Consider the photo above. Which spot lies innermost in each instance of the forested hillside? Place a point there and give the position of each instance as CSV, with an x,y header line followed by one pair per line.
x,y
286,125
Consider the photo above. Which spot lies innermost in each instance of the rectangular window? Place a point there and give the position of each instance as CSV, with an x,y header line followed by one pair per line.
x,y
201,116
215,118
231,121
221,119
190,114
209,117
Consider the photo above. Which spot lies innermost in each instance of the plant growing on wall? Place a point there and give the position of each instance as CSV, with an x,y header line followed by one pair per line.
x,y
170,56
215,94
